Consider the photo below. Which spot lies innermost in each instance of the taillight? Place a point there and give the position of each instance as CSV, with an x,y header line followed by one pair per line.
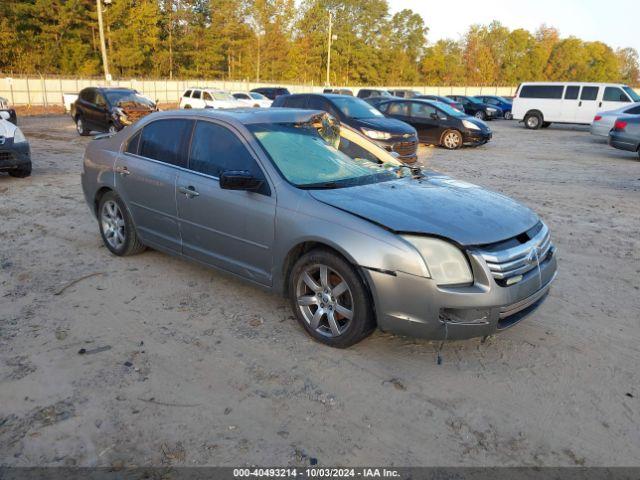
x,y
620,125
597,118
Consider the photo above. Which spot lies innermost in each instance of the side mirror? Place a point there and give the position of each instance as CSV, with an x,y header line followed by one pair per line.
x,y
239,180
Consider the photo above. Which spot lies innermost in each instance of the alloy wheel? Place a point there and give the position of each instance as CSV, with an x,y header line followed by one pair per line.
x,y
325,300
113,129
451,140
113,225
533,121
79,126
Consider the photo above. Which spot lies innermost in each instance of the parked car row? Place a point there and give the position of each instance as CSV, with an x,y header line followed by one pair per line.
x,y
314,206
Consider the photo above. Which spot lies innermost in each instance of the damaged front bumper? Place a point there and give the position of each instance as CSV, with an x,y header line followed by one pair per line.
x,y
417,307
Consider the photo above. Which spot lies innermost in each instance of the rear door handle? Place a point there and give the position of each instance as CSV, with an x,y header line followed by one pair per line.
x,y
189,191
123,171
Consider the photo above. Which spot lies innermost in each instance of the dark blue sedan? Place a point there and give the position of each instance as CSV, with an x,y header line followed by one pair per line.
x,y
502,103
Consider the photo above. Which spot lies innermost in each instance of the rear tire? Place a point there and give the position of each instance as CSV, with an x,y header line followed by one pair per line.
x,y
116,226
451,140
22,172
335,308
533,121
80,127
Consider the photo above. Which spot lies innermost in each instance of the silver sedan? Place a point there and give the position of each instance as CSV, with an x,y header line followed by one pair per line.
x,y
603,121
296,203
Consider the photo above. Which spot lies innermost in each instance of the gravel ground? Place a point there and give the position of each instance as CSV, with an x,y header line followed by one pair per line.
x,y
187,366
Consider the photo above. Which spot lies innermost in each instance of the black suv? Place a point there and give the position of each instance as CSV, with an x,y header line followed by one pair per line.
x,y
271,92
391,134
109,109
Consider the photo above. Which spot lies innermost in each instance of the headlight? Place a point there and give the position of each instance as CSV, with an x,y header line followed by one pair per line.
x,y
470,125
376,135
18,136
447,265
492,110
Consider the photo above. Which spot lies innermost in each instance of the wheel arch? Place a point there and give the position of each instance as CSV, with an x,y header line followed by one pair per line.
x,y
534,111
98,196
306,246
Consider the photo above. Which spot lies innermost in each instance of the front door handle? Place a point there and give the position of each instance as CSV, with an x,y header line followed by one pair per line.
x,y
189,191
580,104
123,171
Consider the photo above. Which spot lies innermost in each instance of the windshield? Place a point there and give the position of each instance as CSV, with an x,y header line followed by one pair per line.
x,y
121,97
473,100
257,96
505,100
355,108
454,112
634,96
307,161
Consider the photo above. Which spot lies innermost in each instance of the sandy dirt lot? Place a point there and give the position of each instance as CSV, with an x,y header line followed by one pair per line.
x,y
187,366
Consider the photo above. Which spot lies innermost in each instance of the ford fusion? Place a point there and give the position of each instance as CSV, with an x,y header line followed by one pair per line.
x,y
295,202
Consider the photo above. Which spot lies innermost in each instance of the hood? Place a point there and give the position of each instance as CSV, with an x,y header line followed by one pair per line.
x,y
436,205
383,124
135,105
478,122
7,129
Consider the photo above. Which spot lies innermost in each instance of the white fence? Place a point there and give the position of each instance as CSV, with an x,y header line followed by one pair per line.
x,y
43,91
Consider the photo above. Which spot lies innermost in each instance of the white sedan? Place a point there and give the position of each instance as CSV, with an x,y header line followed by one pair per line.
x,y
252,99
603,121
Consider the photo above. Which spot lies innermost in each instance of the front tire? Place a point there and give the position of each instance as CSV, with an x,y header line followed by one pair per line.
x,y
80,127
480,115
533,121
508,116
451,140
116,226
330,299
22,172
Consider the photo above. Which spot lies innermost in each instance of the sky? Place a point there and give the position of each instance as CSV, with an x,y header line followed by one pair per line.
x,y
615,23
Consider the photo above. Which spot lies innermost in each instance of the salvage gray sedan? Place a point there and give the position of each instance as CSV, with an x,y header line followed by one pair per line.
x,y
295,203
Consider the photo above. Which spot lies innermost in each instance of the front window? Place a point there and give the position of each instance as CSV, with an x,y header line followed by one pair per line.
x,y
309,161
631,92
120,98
355,108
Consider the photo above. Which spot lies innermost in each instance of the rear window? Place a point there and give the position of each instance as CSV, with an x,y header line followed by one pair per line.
x,y
589,93
542,91
165,141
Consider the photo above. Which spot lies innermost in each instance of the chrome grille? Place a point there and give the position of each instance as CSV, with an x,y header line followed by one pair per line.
x,y
518,260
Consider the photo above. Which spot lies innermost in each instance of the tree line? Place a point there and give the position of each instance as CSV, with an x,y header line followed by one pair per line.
x,y
285,41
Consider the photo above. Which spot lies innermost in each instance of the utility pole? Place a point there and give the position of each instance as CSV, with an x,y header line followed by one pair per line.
x,y
328,81
103,47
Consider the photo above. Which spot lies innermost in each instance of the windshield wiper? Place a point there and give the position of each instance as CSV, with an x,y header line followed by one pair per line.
x,y
319,186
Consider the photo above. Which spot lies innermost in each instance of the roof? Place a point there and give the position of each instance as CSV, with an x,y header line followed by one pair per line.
x,y
592,84
244,116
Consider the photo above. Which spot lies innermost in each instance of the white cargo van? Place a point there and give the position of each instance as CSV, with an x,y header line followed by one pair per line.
x,y
539,104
